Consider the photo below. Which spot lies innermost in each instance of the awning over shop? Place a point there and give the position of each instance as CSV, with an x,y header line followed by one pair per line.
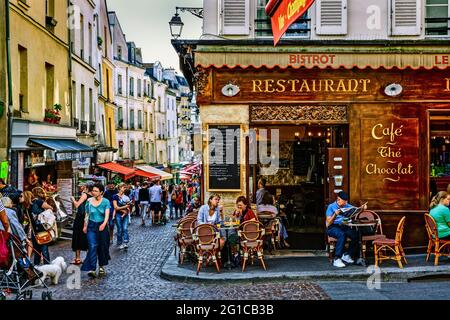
x,y
320,59
128,173
164,175
145,174
65,149
184,177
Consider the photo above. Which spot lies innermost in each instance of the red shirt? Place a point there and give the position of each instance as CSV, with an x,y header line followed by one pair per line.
x,y
249,215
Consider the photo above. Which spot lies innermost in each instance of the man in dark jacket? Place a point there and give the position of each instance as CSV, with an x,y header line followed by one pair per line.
x,y
144,200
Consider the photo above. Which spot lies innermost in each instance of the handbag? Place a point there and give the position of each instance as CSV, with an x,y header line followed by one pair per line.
x,y
4,252
43,237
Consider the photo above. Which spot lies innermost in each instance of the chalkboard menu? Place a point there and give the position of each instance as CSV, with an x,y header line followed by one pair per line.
x,y
302,158
224,164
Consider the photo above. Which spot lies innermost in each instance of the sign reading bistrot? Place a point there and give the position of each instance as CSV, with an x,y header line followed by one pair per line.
x,y
283,13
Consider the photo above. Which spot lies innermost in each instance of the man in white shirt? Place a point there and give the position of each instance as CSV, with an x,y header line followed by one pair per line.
x,y
155,201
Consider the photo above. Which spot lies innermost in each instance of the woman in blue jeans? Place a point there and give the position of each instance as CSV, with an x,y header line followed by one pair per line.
x,y
122,205
38,206
95,226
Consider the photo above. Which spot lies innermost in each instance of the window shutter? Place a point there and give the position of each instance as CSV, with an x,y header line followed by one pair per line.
x,y
331,16
235,17
405,17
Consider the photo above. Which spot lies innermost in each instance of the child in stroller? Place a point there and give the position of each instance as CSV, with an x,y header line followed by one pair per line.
x,y
18,275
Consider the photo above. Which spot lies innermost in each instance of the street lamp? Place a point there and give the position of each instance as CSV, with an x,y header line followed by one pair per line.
x,y
176,25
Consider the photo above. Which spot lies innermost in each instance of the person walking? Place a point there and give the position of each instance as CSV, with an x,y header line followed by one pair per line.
x,y
184,192
109,194
135,199
79,239
178,202
144,201
172,197
96,228
155,202
38,206
122,210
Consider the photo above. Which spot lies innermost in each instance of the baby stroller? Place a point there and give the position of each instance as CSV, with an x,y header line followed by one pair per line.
x,y
18,276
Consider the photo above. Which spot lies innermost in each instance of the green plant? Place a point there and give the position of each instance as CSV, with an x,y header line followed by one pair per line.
x,y
57,107
99,41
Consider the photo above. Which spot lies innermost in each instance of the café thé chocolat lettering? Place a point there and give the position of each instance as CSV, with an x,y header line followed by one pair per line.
x,y
311,85
390,151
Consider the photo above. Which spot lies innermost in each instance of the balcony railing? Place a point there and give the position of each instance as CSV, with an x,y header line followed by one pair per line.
x,y
83,126
92,127
437,26
299,29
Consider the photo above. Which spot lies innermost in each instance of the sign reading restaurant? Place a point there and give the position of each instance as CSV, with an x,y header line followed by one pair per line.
x,y
311,85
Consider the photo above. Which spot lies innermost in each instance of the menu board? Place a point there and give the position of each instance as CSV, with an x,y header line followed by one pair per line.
x,y
224,163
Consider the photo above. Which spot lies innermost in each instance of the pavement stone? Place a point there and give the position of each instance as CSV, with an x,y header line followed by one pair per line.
x,y
135,275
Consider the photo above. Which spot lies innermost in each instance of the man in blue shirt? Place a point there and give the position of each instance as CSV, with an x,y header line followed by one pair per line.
x,y
338,230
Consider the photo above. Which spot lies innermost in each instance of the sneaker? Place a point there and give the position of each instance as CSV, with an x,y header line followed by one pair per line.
x,y
101,272
346,258
125,246
92,274
122,246
338,263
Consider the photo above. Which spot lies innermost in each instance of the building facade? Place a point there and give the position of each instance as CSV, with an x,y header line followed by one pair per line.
x,y
345,111
3,87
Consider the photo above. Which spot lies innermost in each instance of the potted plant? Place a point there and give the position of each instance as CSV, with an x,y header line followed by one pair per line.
x,y
52,115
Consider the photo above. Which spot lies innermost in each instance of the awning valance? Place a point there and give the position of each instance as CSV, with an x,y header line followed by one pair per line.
x,y
65,149
164,175
321,60
128,173
145,174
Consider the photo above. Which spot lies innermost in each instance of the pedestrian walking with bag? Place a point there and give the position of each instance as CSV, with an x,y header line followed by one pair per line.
x,y
122,210
79,238
96,228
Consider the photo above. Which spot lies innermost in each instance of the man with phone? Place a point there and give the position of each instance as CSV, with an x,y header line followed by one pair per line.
x,y
337,229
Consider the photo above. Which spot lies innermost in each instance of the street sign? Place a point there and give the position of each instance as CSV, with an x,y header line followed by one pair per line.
x,y
284,13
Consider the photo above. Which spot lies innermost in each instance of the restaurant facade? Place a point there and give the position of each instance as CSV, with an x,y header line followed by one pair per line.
x,y
364,117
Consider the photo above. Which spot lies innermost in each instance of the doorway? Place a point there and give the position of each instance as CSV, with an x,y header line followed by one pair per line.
x,y
301,183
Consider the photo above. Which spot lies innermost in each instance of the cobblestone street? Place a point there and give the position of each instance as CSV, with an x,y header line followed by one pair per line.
x,y
134,275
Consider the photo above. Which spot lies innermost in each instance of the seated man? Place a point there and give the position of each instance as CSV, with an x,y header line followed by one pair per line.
x,y
193,205
340,231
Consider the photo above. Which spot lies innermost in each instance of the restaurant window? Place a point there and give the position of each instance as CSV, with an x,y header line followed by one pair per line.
x,y
141,153
263,27
437,18
139,87
439,151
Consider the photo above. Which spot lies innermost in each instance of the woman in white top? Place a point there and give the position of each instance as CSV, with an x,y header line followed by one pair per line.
x,y
210,214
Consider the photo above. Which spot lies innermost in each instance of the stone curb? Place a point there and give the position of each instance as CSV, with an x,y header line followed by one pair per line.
x,y
171,271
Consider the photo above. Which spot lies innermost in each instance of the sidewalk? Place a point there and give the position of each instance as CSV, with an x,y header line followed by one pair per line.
x,y
310,267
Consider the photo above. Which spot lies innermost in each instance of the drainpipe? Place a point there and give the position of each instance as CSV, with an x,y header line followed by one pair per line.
x,y
70,68
10,93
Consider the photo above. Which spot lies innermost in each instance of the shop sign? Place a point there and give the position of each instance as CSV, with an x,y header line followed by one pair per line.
x,y
35,159
70,156
4,170
390,156
83,163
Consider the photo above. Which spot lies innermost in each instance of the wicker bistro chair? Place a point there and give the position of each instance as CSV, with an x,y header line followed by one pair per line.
x,y
272,230
434,241
207,244
394,245
184,239
251,234
370,216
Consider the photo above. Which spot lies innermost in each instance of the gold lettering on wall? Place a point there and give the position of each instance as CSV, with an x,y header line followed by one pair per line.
x,y
310,85
394,166
447,84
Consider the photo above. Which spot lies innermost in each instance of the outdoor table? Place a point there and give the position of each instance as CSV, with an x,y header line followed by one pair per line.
x,y
227,227
358,224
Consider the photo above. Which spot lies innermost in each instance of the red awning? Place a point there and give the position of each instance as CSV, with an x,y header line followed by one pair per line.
x,y
184,177
128,173
146,174
192,168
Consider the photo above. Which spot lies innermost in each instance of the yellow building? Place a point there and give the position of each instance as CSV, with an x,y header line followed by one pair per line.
x,y
44,142
3,85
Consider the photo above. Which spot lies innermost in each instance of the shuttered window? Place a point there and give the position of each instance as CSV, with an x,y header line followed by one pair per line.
x,y
235,17
331,17
405,17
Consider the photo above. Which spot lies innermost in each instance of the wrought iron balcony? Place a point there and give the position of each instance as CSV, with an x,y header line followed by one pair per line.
x,y
84,126
437,26
92,127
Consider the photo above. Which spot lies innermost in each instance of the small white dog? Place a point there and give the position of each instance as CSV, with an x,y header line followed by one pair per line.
x,y
53,271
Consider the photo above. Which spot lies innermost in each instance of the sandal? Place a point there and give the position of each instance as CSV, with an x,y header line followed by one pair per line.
x,y
76,262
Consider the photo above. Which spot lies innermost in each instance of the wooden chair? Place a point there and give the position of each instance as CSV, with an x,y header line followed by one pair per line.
x,y
184,238
434,241
207,244
271,226
394,245
369,216
251,234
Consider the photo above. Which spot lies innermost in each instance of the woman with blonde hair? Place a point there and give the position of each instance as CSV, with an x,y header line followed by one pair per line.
x,y
441,214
